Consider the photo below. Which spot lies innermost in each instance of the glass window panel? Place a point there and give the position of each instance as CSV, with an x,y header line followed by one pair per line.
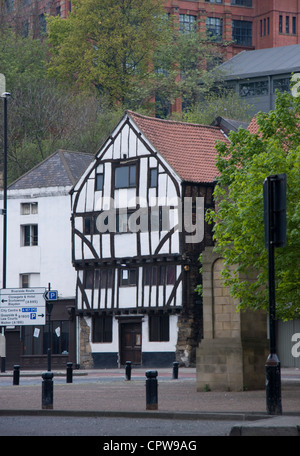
x,y
97,278
87,225
170,275
122,177
147,274
25,208
99,181
34,235
89,279
132,176
162,273
26,232
153,177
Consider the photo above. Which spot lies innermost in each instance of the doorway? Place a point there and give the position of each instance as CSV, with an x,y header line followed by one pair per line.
x,y
131,343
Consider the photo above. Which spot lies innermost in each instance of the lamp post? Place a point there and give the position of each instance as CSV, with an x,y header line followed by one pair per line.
x,y
4,95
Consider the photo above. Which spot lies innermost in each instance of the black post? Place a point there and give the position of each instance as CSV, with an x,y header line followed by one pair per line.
x,y
47,390
5,97
16,375
49,307
175,370
69,372
4,211
128,370
151,390
275,233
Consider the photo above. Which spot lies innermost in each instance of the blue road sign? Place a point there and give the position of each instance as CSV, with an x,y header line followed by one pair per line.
x,y
51,295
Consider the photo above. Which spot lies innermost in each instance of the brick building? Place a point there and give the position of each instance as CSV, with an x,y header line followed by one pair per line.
x,y
247,24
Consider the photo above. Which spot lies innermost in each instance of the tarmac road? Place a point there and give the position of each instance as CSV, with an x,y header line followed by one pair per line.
x,y
103,426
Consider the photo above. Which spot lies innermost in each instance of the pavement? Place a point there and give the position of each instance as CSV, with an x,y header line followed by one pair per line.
x,y
106,392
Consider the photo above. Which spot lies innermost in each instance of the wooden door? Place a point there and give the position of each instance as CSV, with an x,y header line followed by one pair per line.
x,y
131,343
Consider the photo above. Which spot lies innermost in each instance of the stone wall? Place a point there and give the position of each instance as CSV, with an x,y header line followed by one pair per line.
x,y
233,352
86,360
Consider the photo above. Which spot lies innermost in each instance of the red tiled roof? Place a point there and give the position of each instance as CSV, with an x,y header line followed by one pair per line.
x,y
188,148
253,126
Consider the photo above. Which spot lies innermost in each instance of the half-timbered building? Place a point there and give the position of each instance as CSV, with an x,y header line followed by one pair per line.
x,y
137,231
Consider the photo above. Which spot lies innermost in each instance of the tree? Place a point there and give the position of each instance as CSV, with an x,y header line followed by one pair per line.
x,y
21,59
226,103
105,45
42,115
239,219
131,51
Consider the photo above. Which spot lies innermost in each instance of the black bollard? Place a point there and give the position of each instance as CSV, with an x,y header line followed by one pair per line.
x,y
151,390
273,385
175,370
47,390
16,375
69,372
128,370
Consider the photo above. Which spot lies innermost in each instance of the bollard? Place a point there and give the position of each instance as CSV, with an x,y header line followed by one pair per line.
x,y
273,385
151,390
69,372
175,370
128,370
16,375
47,390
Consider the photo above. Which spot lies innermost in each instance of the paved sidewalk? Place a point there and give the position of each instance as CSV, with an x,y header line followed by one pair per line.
x,y
107,393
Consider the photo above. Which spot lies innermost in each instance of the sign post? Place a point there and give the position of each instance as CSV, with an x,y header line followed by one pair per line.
x,y
275,236
50,296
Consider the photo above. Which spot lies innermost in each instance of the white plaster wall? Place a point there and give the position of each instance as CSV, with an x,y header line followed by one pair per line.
x,y
169,346
50,260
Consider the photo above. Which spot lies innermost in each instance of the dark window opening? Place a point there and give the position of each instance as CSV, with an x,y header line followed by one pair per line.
x,y
36,338
159,328
102,329
128,277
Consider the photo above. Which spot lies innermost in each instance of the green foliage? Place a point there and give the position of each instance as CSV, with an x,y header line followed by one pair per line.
x,y
21,59
239,220
106,46
130,51
42,115
223,103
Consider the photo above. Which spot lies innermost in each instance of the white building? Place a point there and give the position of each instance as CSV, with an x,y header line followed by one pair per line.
x,y
39,253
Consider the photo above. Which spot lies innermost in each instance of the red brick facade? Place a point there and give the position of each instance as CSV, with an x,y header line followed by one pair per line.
x,y
252,24
273,23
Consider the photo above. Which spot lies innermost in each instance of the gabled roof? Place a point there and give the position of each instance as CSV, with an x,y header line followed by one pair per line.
x,y
61,169
262,62
188,148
